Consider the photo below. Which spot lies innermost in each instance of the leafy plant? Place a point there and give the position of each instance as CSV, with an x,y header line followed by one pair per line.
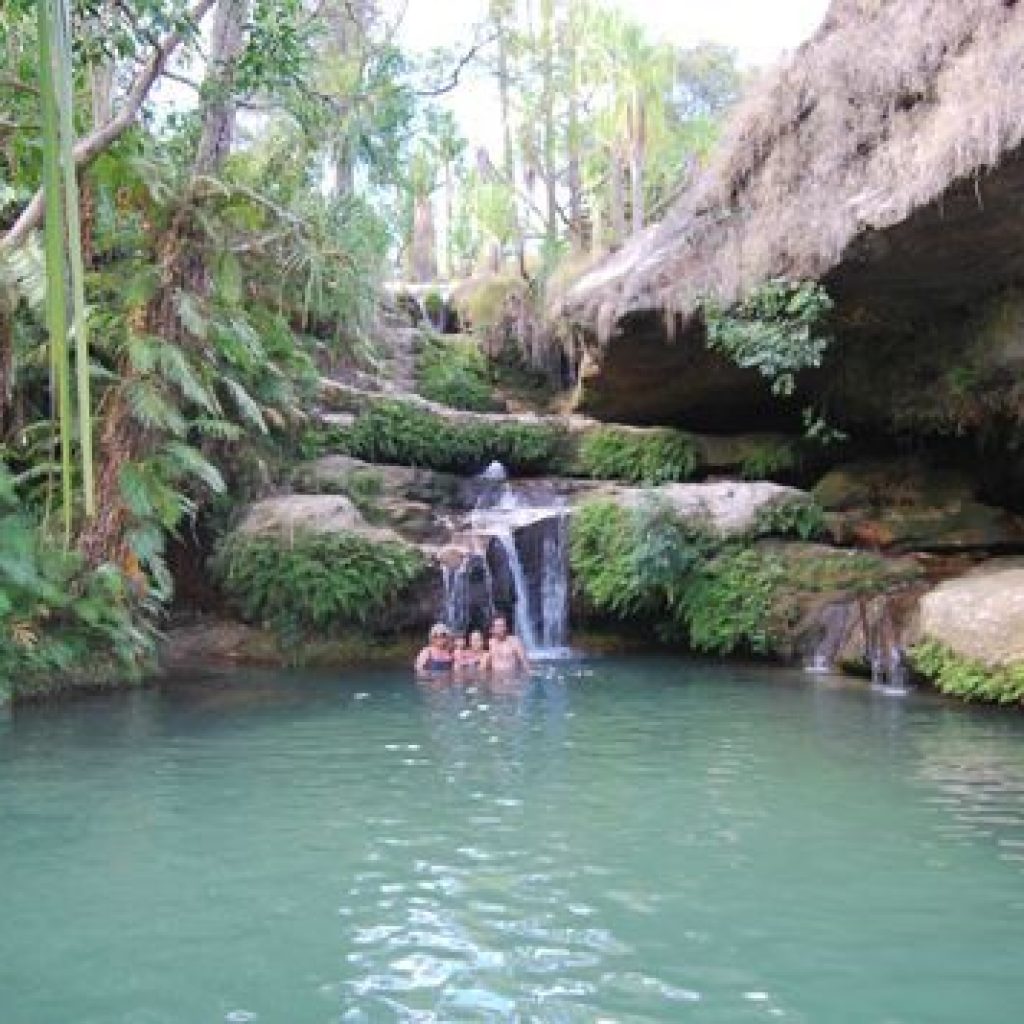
x,y
399,432
796,516
965,677
647,457
453,371
628,563
774,330
314,582
729,602
770,461
61,622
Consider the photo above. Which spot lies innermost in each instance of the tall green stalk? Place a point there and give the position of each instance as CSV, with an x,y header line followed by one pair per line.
x,y
53,237
65,105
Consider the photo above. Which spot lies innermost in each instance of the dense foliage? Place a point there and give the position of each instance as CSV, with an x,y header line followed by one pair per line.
x,y
453,371
315,583
774,330
642,457
646,562
964,677
719,594
59,617
399,432
209,283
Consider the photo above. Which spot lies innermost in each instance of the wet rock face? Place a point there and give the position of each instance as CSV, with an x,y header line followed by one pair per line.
x,y
908,505
980,615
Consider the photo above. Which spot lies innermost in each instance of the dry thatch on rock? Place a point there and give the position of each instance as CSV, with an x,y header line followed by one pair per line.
x,y
888,104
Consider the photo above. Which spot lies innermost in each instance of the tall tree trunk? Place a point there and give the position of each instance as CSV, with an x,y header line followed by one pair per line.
x,y
500,10
573,138
617,197
449,214
227,41
423,251
550,172
637,160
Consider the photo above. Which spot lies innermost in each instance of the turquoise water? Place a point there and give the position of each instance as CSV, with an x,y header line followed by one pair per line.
x,y
641,840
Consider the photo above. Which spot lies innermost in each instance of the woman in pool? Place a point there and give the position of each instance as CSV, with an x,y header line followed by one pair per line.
x,y
437,656
473,658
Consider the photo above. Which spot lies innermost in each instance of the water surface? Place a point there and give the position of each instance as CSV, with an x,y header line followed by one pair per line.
x,y
628,841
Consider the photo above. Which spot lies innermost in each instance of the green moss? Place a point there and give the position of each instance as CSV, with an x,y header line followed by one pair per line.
x,y
316,583
647,457
964,677
398,432
453,371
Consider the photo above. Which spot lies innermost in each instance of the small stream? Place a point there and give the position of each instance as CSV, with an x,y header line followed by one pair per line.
x,y
641,840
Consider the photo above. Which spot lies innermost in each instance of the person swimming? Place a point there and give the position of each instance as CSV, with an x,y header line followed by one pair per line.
x,y
473,658
506,652
438,655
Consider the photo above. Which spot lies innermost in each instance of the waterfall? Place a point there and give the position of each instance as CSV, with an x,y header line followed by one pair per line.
x,y
555,584
514,555
524,616
834,621
456,596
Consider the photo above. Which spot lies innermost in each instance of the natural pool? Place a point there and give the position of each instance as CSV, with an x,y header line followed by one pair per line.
x,y
625,840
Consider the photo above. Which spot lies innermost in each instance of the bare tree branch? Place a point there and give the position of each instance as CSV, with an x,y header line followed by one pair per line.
x,y
89,147
453,78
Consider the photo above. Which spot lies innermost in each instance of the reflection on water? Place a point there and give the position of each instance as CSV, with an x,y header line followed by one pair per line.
x,y
642,840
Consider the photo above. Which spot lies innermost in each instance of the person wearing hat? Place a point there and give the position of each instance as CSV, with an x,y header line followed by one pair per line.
x,y
437,655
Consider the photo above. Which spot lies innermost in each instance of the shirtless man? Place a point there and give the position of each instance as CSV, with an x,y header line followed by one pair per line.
x,y
506,650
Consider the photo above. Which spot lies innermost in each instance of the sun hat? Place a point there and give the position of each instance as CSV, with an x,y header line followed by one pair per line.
x,y
439,629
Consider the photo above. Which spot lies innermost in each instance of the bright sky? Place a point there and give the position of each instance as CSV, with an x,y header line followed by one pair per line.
x,y
760,31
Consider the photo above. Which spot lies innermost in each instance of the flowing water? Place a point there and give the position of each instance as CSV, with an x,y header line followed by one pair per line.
x,y
619,841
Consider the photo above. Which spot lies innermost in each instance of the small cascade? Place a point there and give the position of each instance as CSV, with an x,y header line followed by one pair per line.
x,y
456,596
834,622
555,585
524,616
512,557
885,653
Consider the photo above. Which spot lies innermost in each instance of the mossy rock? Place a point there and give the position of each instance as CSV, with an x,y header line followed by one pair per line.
x,y
907,505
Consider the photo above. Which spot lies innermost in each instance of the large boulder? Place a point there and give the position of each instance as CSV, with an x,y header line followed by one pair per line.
x,y
729,508
979,616
288,514
883,161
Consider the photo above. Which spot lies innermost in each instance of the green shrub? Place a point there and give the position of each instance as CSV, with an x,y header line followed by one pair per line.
x,y
648,457
770,461
61,622
315,583
729,602
965,677
647,564
799,517
634,562
454,372
399,432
